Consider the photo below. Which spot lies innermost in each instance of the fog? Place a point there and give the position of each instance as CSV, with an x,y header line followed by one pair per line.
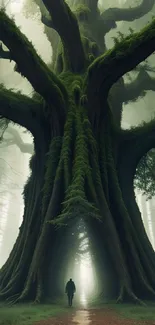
x,y
14,163
81,267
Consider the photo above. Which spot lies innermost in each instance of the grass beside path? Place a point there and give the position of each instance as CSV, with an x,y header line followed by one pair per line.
x,y
29,314
136,312
129,311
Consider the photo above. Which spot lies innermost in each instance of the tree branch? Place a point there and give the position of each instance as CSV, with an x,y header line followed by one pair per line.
x,y
65,22
50,32
4,54
17,140
138,87
124,56
20,109
30,64
47,21
112,15
45,17
136,143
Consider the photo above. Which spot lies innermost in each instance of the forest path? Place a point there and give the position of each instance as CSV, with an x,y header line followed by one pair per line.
x,y
92,317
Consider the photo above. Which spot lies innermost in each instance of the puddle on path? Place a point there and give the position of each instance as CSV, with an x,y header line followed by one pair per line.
x,y
81,317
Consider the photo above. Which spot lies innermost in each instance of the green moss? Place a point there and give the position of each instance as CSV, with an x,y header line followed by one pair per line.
x,y
53,157
12,37
75,202
86,43
66,152
37,97
82,12
94,49
70,80
124,47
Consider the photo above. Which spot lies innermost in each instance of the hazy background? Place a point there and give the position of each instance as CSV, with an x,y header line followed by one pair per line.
x,y
14,164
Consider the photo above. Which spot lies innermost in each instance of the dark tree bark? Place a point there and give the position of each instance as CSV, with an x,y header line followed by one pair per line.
x,y
83,164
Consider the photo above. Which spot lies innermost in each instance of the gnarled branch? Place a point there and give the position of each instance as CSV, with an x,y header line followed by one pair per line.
x,y
135,144
16,140
65,23
20,109
112,15
138,87
30,64
125,55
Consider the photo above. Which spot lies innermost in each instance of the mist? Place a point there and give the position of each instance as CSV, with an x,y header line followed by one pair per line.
x,y
17,149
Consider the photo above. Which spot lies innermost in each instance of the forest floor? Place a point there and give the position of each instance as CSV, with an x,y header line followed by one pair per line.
x,y
104,316
94,314
29,314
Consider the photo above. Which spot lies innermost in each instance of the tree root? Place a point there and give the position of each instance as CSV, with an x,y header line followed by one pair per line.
x,y
127,295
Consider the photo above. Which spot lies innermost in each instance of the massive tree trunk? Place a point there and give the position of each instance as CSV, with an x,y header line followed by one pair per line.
x,y
84,163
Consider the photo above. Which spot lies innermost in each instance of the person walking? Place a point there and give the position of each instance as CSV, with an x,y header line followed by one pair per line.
x,y
70,290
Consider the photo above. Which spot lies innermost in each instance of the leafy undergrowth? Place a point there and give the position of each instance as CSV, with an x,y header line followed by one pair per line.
x,y
29,314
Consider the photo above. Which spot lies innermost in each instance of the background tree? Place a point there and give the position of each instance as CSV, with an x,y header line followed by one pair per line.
x,y
90,162
16,139
145,175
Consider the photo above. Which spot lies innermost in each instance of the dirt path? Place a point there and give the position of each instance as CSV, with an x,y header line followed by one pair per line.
x,y
93,317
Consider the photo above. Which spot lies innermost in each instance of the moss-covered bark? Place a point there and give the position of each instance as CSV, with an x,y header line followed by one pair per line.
x,y
78,169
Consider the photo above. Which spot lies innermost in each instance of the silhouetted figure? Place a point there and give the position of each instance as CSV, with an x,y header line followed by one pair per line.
x,y
70,290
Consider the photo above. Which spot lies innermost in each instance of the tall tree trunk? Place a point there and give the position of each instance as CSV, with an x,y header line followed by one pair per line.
x,y
152,212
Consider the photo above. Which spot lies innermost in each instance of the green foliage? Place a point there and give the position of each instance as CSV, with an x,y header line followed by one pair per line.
x,y
145,175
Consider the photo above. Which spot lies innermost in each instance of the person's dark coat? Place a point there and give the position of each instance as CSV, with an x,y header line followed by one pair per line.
x,y
70,287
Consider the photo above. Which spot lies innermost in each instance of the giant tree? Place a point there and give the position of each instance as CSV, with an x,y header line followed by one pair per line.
x,y
84,164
